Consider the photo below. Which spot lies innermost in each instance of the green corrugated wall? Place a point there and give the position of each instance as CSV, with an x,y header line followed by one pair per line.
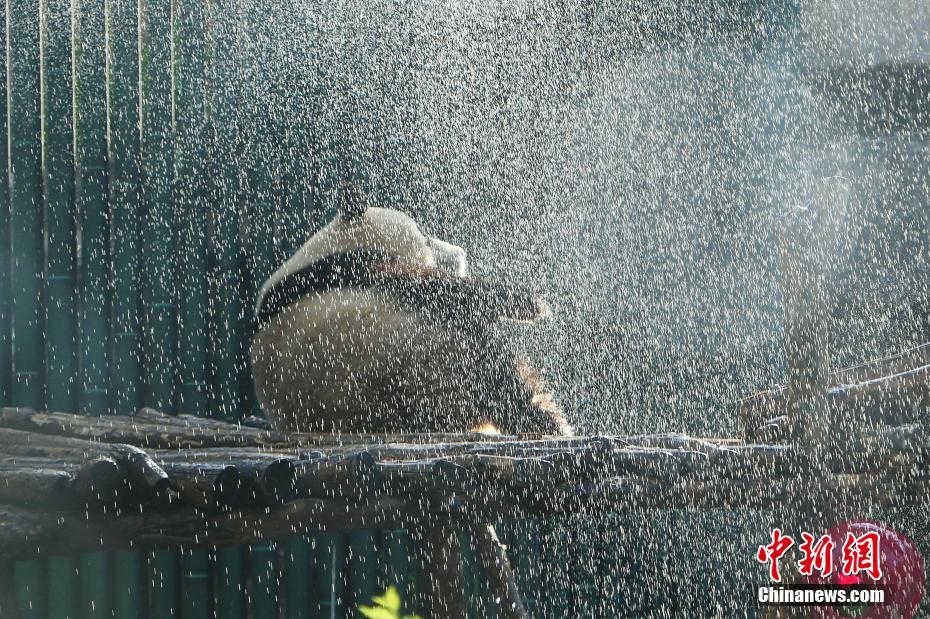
x,y
145,200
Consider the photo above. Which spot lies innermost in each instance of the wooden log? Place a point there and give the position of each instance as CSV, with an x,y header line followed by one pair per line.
x,y
893,400
873,373
244,486
205,486
591,450
333,477
142,476
889,365
279,481
522,448
102,483
146,478
491,556
215,485
152,431
25,443
676,441
229,494
267,481
358,475
37,483
226,455
813,237
23,531
229,488
142,432
890,400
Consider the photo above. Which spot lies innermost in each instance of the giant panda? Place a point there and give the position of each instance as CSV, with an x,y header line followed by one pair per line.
x,y
374,327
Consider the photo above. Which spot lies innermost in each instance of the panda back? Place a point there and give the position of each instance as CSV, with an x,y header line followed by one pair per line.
x,y
352,354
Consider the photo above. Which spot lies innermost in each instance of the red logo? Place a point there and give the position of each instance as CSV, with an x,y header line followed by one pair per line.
x,y
817,555
773,552
860,554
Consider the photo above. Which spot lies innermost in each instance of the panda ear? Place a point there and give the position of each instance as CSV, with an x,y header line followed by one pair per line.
x,y
352,203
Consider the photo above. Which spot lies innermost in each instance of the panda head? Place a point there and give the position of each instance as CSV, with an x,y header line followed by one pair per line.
x,y
359,226
362,226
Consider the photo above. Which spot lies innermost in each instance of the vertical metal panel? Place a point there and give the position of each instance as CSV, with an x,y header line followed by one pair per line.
x,y
128,585
196,601
297,566
262,146
94,576
292,113
25,200
5,305
162,580
90,189
58,194
302,207
61,588
263,580
363,568
125,194
29,578
190,172
416,597
228,312
527,562
282,167
394,562
290,218
331,597
259,167
229,583
159,339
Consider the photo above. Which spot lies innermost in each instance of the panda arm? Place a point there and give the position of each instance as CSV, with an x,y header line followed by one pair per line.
x,y
450,297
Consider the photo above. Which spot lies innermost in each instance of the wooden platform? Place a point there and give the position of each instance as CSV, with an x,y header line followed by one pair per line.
x,y
72,483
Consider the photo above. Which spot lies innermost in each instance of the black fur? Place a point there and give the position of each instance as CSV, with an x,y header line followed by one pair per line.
x,y
437,295
353,269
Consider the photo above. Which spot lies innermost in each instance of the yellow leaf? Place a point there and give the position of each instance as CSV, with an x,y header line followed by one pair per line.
x,y
376,612
390,599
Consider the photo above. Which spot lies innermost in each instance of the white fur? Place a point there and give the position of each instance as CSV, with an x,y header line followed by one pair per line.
x,y
449,257
350,351
377,228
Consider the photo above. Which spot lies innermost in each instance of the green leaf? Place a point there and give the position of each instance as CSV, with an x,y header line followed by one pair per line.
x,y
376,612
390,599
